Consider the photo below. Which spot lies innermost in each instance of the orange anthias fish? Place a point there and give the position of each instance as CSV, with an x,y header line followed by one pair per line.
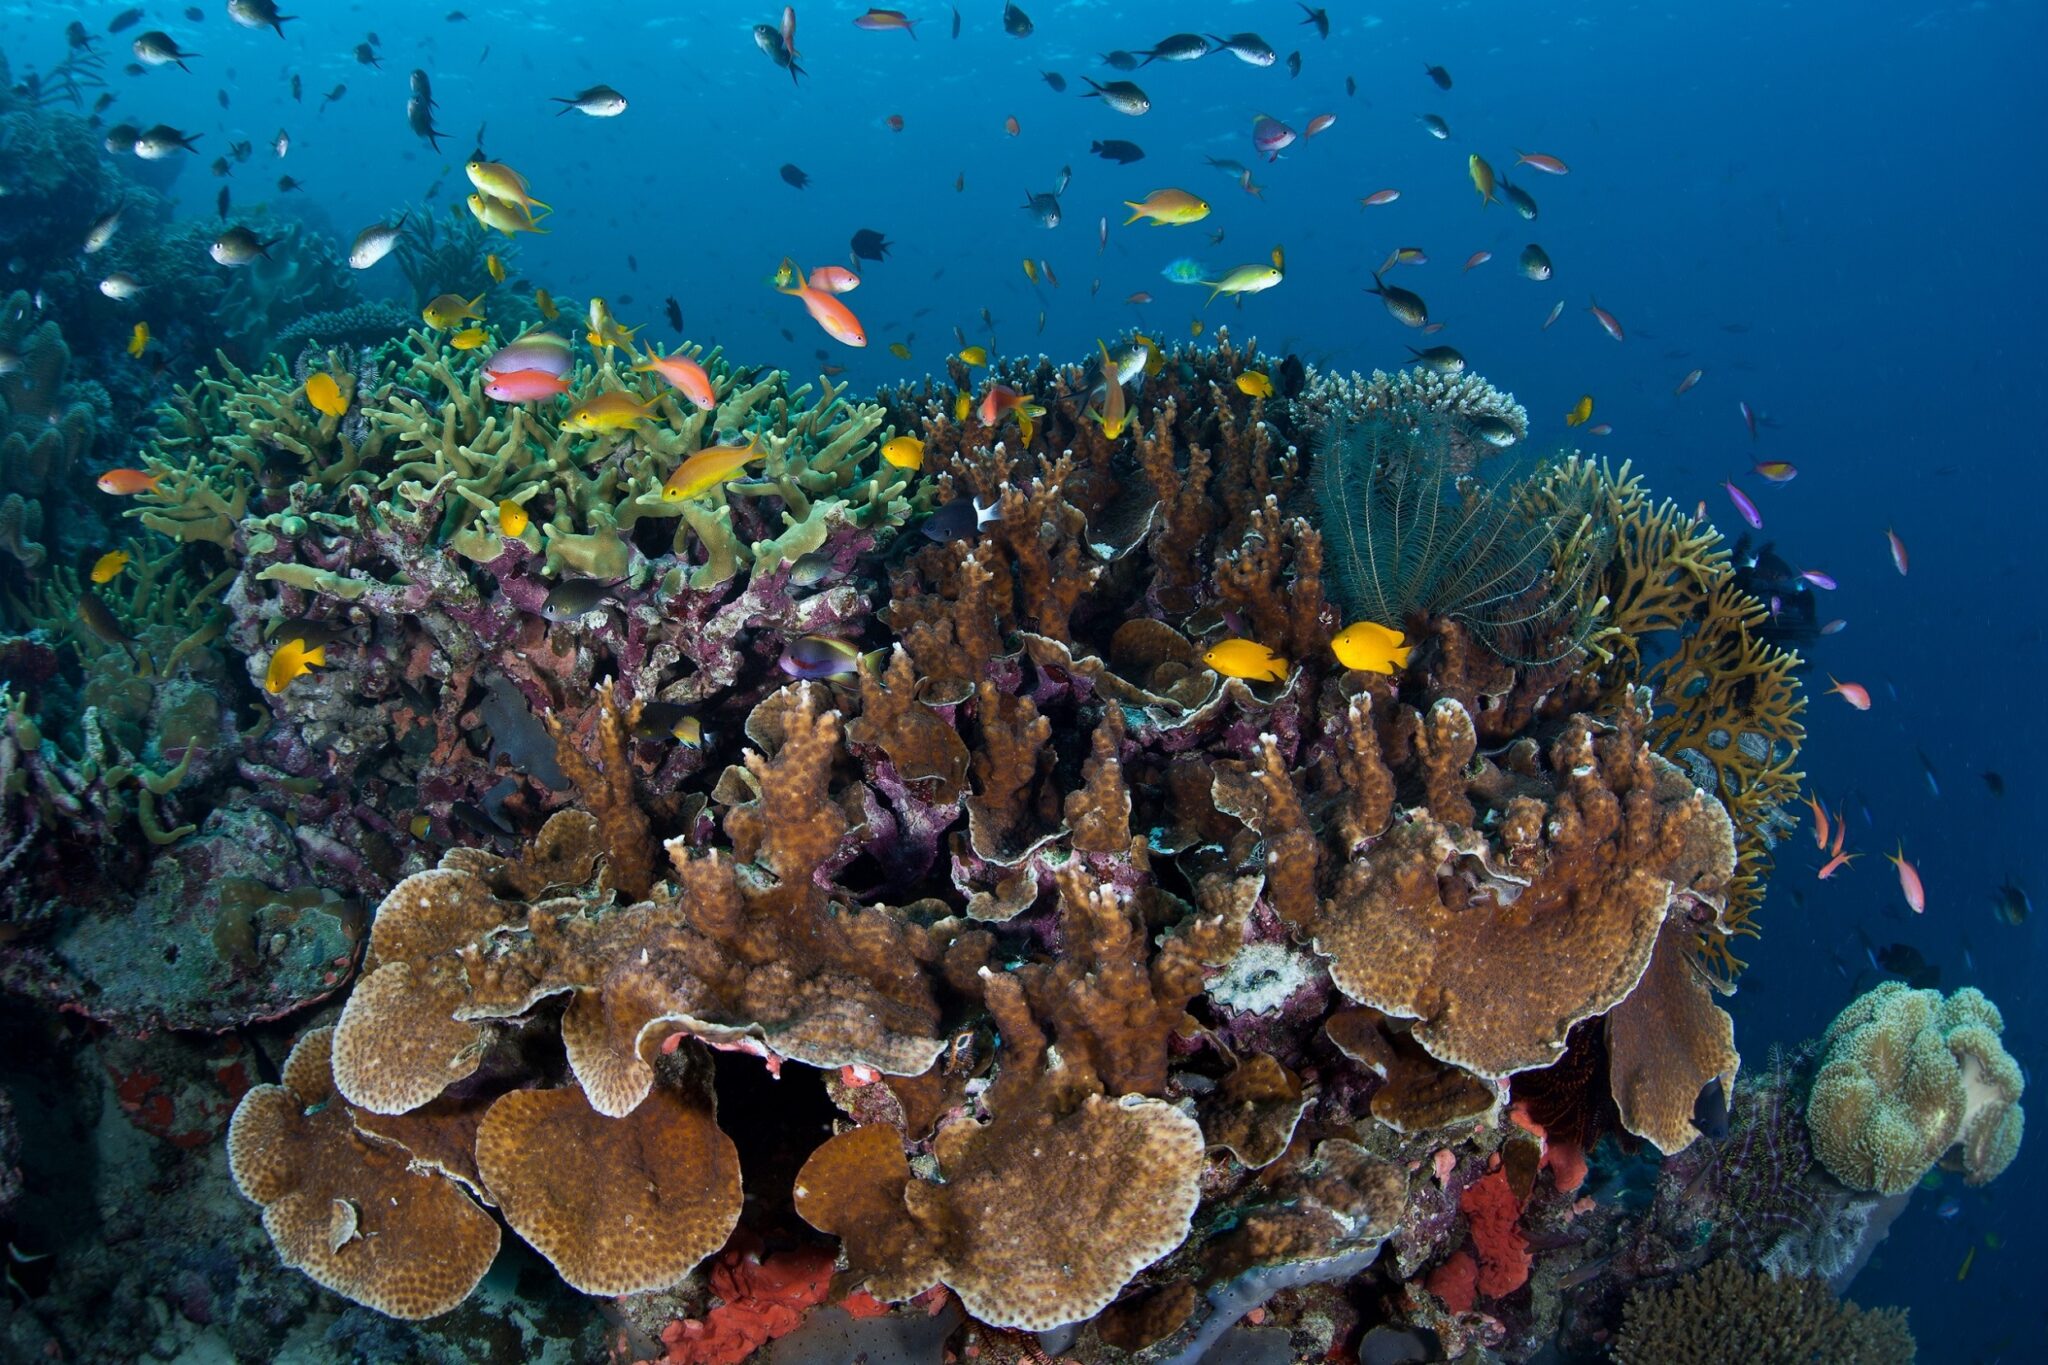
x,y
834,279
1836,864
1549,165
825,309
1820,822
707,469
1607,321
1909,881
123,483
685,375
1856,694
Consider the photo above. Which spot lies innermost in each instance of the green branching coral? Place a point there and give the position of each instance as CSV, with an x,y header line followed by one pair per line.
x,y
1906,1076
1414,533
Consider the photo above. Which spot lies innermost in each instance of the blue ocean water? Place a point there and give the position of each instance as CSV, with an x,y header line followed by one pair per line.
x,y
1832,210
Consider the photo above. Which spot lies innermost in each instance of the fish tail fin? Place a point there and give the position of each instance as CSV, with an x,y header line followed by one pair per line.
x,y
1137,212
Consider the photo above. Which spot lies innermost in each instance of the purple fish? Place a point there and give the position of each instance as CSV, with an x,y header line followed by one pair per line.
x,y
1270,135
1825,582
819,656
1744,505
1834,627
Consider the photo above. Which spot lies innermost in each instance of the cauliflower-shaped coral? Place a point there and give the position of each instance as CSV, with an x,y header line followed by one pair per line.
x,y
1906,1076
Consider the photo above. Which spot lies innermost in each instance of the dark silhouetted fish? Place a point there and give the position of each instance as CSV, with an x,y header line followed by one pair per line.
x,y
1016,22
1123,153
794,176
868,245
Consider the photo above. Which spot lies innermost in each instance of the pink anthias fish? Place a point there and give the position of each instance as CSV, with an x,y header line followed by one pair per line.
x,y
1378,197
1318,124
1692,377
834,279
825,309
523,386
1743,505
1898,550
1607,321
1825,582
1835,627
1856,694
1271,136
1537,161
1477,258
789,32
1909,881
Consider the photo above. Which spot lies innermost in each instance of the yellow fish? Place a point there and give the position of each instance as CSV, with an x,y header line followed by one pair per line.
x,y
1255,383
500,181
1245,659
108,566
138,341
1155,359
495,267
1581,410
607,412
419,825
291,660
1115,413
962,405
512,519
974,356
448,309
899,350
707,469
1482,178
689,731
325,395
1371,648
469,338
1168,208
502,215
905,452
546,303
1030,270
1279,258
1195,328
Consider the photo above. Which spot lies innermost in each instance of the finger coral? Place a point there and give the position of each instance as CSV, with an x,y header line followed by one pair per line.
x,y
1906,1076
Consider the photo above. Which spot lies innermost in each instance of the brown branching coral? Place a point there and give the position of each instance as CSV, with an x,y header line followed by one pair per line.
x,y
1439,919
1046,1211
1726,1313
354,1212
606,786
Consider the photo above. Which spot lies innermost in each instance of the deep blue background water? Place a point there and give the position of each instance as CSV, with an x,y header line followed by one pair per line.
x,y
1835,210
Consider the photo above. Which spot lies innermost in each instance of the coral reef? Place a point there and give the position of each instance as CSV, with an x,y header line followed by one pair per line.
x,y
1727,1313
1905,1076
1132,997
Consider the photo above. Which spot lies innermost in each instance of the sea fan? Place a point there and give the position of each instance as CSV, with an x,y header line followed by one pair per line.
x,y
1417,528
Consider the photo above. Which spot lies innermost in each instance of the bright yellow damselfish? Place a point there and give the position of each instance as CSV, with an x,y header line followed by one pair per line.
x,y
1255,383
974,355
108,566
325,395
905,452
292,659
138,341
512,519
449,309
495,267
1245,659
899,350
1581,410
469,338
1371,648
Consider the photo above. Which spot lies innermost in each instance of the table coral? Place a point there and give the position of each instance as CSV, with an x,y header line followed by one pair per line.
x,y
1907,1075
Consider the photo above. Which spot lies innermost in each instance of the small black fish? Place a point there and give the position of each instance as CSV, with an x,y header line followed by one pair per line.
x,y
1123,153
793,175
2011,904
1904,960
768,38
1055,80
1016,22
957,520
1318,19
1994,782
367,56
868,245
220,202
336,93
1351,86
78,38
1293,64
1120,60
127,18
102,622
221,96
419,116
298,88
285,184
675,314
1439,75
575,597
956,19
194,14
1710,1112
